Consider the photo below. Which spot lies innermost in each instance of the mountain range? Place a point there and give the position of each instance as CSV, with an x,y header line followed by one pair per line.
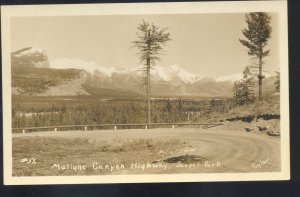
x,y
64,77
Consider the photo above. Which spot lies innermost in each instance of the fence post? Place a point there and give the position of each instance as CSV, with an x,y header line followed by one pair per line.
x,y
23,130
115,127
173,126
85,128
55,129
146,127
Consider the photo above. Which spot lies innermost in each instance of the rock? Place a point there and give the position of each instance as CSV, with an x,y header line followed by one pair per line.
x,y
255,128
273,133
262,128
249,129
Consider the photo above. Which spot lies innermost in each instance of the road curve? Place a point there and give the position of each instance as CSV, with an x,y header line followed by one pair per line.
x,y
236,151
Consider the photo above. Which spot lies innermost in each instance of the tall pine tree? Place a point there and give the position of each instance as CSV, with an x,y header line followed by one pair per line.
x,y
256,35
150,42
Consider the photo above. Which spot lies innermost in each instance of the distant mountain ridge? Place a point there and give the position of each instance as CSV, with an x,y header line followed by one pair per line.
x,y
79,77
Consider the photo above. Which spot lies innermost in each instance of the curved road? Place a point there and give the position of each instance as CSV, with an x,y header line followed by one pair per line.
x,y
236,151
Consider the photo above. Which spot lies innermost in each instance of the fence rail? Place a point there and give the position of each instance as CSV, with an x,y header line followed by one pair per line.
x,y
116,126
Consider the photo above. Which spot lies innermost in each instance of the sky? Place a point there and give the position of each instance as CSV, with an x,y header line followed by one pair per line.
x,y
205,44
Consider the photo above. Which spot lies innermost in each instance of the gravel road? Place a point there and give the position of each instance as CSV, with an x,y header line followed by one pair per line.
x,y
236,151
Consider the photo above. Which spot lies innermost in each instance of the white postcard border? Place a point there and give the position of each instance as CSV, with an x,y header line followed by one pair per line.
x,y
279,7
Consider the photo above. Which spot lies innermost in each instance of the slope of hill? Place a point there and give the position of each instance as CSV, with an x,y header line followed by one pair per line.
x,y
263,114
31,75
35,81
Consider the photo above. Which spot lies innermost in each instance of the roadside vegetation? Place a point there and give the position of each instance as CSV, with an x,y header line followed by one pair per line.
x,y
262,117
85,151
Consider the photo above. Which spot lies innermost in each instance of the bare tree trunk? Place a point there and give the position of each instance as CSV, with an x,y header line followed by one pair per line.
x,y
148,91
260,78
148,80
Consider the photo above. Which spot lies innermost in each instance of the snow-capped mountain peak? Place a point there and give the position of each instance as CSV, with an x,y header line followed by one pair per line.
x,y
30,57
89,66
160,73
30,51
168,73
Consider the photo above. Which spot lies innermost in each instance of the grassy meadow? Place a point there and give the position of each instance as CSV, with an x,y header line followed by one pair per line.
x,y
99,156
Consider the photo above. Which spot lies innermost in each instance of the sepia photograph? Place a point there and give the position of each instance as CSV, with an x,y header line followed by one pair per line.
x,y
160,92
